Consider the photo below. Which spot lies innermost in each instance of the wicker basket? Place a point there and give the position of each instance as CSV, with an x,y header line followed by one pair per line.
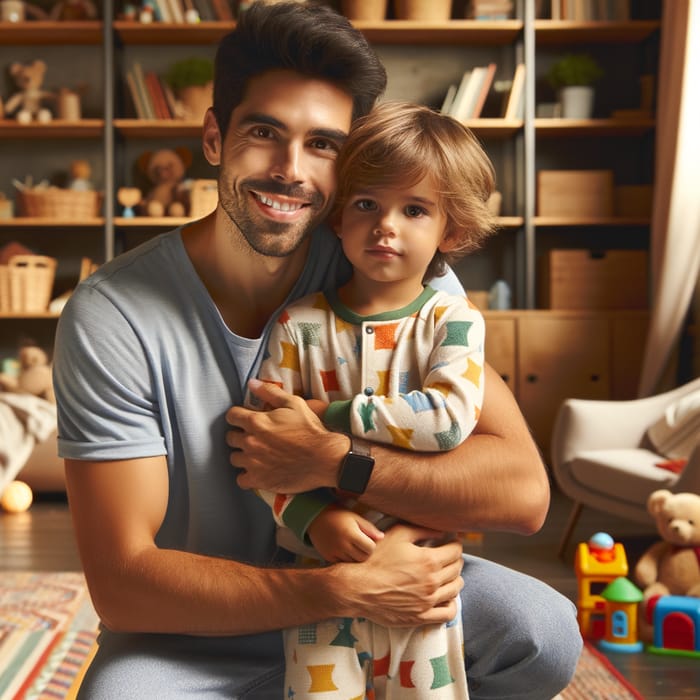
x,y
56,203
26,283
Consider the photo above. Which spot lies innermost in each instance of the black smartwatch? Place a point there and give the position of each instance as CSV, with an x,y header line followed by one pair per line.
x,y
356,469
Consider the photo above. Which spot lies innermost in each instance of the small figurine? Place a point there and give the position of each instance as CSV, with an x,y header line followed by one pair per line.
x,y
80,172
73,10
129,197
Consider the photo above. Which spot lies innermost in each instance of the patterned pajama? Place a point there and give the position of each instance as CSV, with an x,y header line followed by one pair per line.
x,y
355,659
411,378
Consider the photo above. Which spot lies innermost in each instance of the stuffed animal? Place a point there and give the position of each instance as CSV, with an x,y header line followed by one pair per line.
x,y
34,375
671,566
28,101
166,171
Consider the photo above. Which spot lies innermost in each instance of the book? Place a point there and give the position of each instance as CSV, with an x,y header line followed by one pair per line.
x,y
448,99
464,101
484,88
163,11
222,10
144,96
205,9
136,100
157,96
177,11
515,107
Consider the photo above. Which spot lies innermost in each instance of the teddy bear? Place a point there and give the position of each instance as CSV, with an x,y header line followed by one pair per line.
x,y
671,566
28,102
165,170
34,375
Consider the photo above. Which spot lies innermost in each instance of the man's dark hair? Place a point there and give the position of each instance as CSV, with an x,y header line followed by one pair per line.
x,y
313,40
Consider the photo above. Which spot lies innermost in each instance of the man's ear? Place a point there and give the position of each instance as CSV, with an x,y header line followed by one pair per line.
x,y
211,139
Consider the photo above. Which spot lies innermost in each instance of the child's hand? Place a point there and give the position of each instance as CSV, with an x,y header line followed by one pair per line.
x,y
317,406
339,534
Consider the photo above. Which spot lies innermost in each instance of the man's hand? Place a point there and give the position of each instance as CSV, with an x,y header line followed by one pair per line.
x,y
403,584
339,534
285,449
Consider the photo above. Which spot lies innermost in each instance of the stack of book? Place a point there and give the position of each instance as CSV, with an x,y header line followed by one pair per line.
x,y
182,11
490,9
466,100
151,96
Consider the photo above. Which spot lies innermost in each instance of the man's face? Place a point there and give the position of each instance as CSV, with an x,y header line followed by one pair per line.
x,y
277,174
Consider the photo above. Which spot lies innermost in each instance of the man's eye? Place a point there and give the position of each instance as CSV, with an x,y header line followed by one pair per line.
x,y
325,145
263,132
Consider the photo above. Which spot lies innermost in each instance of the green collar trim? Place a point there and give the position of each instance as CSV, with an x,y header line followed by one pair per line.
x,y
350,316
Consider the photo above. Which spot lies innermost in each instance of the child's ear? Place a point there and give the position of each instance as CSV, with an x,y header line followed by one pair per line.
x,y
449,240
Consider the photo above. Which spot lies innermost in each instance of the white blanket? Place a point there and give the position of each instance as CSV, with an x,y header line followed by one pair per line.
x,y
24,421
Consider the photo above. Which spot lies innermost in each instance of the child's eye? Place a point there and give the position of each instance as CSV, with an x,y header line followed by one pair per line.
x,y
365,204
415,211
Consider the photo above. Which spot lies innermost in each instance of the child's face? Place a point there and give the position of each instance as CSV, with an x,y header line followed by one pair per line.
x,y
390,234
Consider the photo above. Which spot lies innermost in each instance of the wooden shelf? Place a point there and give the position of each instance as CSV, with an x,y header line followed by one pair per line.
x,y
55,33
33,314
151,221
36,222
56,129
163,33
608,221
566,128
157,128
510,222
459,31
472,32
564,32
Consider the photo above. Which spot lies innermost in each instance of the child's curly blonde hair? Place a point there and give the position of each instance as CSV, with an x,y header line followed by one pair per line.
x,y
400,143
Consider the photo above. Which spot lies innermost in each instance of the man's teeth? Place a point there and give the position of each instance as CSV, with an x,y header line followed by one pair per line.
x,y
280,206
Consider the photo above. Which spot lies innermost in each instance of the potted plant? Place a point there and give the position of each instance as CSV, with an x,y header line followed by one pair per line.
x,y
574,76
192,80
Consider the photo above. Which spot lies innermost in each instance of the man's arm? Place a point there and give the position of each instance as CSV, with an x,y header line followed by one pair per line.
x,y
495,480
117,508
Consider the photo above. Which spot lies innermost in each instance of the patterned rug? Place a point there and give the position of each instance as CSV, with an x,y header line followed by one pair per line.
x,y
47,630
48,627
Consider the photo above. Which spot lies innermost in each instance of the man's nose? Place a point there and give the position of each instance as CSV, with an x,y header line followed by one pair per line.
x,y
288,164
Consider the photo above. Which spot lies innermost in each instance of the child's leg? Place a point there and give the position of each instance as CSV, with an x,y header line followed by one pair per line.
x,y
324,660
425,663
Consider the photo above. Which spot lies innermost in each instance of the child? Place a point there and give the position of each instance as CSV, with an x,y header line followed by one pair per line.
x,y
388,359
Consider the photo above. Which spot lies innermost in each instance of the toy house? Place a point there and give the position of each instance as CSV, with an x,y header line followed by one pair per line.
x,y
622,600
598,562
677,626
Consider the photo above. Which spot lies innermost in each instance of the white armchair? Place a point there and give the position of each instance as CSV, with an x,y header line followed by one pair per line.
x,y
601,457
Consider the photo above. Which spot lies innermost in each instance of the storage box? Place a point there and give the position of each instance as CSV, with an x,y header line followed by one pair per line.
x,y
581,193
583,279
633,200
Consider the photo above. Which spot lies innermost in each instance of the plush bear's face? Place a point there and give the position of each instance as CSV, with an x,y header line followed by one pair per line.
x,y
32,357
678,519
28,76
165,167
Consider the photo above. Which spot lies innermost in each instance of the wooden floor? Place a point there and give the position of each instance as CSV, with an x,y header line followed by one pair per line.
x,y
42,540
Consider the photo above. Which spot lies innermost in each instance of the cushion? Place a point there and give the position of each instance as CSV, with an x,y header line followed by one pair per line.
x,y
677,432
630,474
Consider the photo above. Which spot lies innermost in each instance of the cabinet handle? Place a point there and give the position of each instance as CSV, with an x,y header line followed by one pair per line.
x,y
595,377
505,377
532,378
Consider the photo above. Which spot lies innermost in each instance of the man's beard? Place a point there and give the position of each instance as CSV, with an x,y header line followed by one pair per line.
x,y
266,237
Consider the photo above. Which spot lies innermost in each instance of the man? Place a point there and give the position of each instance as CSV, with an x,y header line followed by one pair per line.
x,y
154,349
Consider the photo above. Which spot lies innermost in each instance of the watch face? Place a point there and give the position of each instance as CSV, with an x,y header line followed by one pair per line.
x,y
356,471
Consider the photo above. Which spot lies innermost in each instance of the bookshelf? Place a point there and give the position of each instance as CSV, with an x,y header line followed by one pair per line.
x,y
422,59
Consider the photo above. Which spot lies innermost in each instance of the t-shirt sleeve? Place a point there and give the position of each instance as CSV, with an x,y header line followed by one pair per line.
x,y
102,377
